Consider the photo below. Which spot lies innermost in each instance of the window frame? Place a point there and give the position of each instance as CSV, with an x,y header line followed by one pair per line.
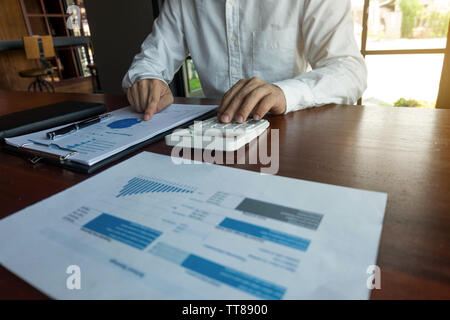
x,y
365,34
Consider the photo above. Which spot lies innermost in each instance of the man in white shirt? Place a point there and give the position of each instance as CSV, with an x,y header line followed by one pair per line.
x,y
258,56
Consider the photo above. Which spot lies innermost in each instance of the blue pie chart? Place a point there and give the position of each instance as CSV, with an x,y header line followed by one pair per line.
x,y
124,123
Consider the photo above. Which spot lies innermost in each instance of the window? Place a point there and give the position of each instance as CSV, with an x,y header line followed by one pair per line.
x,y
404,43
191,79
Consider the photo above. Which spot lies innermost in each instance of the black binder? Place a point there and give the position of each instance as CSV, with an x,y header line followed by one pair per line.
x,y
48,116
8,130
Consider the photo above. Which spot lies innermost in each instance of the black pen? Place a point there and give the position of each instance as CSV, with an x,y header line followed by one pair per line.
x,y
52,135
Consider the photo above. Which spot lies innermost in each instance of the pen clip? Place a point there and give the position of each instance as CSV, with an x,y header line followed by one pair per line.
x,y
35,159
74,127
39,154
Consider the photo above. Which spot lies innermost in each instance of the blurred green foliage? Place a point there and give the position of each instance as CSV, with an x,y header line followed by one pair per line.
x,y
402,102
437,23
411,10
194,84
434,22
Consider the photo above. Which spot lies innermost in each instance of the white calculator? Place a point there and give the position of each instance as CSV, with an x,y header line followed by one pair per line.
x,y
211,134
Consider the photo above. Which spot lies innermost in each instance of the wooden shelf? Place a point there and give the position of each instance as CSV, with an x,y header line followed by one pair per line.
x,y
48,17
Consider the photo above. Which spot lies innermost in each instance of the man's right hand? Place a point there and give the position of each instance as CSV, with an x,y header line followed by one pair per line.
x,y
149,96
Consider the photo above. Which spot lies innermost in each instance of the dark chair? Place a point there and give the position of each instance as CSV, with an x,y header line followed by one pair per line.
x,y
39,48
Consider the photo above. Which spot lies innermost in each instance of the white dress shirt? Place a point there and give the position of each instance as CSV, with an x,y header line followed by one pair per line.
x,y
306,47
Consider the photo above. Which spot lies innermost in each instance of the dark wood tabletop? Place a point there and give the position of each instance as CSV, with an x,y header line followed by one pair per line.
x,y
404,152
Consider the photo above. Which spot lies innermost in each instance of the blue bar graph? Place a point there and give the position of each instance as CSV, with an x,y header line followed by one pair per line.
x,y
242,281
91,146
142,186
245,282
266,234
127,232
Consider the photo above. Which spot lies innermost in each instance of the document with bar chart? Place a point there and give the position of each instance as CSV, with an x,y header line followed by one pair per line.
x,y
123,129
150,229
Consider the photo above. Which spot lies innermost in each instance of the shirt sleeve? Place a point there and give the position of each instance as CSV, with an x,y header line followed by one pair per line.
x,y
163,51
339,73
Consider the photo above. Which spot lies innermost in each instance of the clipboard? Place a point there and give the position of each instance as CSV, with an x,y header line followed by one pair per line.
x,y
64,161
47,116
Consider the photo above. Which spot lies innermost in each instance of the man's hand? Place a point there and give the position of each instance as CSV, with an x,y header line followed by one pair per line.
x,y
251,96
149,96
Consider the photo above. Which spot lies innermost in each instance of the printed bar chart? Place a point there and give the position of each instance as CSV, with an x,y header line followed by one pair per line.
x,y
302,218
234,278
266,234
91,146
143,185
127,232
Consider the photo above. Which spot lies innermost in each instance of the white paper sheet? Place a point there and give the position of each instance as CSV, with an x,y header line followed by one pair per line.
x,y
124,129
149,229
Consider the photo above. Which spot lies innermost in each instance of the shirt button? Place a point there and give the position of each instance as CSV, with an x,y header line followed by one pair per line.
x,y
233,38
235,72
231,2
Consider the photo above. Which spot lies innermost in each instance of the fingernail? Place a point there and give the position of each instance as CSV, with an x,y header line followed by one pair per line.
x,y
256,117
225,118
147,117
240,119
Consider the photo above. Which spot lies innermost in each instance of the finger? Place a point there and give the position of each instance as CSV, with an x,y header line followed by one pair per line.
x,y
153,101
238,99
166,100
229,95
250,102
143,89
130,98
135,97
264,106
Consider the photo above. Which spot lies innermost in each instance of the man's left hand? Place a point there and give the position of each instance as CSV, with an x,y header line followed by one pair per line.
x,y
251,96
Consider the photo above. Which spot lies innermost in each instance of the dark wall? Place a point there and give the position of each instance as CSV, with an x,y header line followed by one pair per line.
x,y
118,29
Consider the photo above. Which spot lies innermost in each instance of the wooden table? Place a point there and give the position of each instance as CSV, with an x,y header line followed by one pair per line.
x,y
401,151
